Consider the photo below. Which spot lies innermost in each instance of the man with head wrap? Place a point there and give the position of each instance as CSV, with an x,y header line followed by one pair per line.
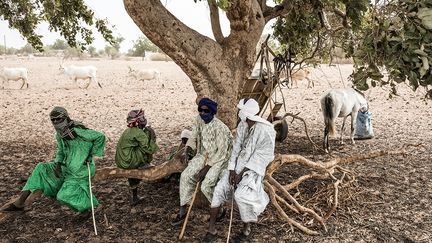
x,y
135,148
253,150
185,135
212,140
66,178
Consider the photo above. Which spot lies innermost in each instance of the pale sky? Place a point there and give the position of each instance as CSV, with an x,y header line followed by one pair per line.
x,y
194,15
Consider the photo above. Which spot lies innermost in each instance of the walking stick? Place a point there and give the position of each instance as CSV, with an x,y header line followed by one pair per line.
x,y
191,204
91,199
189,209
231,214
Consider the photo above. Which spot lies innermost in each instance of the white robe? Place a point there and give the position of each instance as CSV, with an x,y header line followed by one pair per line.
x,y
253,149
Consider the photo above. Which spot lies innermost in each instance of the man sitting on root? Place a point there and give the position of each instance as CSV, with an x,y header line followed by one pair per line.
x,y
135,148
184,136
67,177
253,150
212,140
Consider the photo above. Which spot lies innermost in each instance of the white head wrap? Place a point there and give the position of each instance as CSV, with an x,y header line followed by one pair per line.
x,y
186,133
248,109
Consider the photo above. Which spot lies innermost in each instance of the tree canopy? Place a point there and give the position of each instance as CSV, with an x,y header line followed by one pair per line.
x,y
391,37
72,19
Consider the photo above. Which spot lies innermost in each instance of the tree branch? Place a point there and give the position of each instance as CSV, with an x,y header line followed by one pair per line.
x,y
188,48
341,14
278,10
324,20
149,174
215,23
282,213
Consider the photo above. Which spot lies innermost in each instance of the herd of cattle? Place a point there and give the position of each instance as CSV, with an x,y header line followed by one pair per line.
x,y
89,73
74,72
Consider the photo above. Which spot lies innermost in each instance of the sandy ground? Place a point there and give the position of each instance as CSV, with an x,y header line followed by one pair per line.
x,y
390,200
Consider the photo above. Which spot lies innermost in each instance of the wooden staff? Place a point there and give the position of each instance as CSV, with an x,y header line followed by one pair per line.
x,y
91,199
189,209
191,204
231,214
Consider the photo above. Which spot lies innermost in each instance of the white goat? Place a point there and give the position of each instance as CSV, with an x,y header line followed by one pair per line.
x,y
144,74
14,74
80,72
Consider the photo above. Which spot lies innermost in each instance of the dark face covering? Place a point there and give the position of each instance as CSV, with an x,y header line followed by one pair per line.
x,y
62,123
207,109
207,117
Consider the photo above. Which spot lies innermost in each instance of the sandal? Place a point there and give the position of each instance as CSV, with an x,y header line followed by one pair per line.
x,y
209,237
12,208
178,220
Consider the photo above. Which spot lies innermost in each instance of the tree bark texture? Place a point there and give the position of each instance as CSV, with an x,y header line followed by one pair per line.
x,y
217,69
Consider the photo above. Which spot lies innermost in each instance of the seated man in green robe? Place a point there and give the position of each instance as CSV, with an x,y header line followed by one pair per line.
x,y
135,148
67,177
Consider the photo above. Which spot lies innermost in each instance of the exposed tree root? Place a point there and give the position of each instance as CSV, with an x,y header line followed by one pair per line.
x,y
152,173
329,170
295,116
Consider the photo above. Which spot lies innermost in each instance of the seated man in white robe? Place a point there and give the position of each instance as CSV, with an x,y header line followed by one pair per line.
x,y
252,152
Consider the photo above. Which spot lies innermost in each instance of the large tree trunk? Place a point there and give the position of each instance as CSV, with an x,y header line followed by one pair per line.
x,y
217,69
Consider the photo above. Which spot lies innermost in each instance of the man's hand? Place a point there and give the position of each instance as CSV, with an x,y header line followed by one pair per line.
x,y
232,176
88,159
152,133
184,158
202,173
57,170
239,177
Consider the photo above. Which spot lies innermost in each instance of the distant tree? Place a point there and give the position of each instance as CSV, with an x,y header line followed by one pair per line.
x,y
59,45
113,50
28,48
71,52
141,45
9,51
92,51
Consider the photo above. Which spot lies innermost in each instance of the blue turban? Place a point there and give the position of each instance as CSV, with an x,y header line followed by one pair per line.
x,y
210,104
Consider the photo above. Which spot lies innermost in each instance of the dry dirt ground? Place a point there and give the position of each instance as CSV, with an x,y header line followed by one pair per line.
x,y
390,200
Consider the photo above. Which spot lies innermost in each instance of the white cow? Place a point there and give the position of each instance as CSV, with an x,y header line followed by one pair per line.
x,y
80,72
144,74
14,74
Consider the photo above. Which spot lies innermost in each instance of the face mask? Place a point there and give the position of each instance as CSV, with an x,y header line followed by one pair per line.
x,y
207,117
64,129
242,115
142,124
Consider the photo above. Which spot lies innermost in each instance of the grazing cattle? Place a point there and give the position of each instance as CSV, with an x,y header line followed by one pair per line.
x,y
80,72
144,74
14,74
